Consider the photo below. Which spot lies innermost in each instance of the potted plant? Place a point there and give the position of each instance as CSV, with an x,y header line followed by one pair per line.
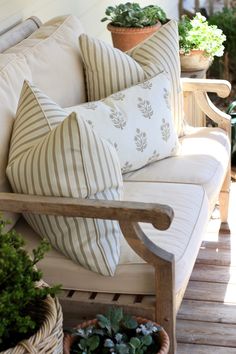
x,y
226,21
199,42
30,318
130,23
117,333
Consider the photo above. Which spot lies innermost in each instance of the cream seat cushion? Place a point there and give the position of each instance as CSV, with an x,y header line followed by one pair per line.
x,y
133,275
202,160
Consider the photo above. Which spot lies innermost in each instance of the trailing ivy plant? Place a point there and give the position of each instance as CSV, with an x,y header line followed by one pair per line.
x,y
197,34
133,15
117,333
18,293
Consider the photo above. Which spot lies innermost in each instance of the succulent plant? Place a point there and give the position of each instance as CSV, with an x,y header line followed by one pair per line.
x,y
117,333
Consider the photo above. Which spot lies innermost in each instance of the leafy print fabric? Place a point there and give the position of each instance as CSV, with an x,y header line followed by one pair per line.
x,y
137,121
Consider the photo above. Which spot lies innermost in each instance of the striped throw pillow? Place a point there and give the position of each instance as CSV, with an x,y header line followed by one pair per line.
x,y
109,70
55,155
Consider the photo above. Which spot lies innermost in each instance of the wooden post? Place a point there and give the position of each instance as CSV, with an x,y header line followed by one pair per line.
x,y
163,263
166,301
197,5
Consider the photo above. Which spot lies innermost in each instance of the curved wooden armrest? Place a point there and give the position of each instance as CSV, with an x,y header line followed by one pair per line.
x,y
200,87
221,87
158,214
221,118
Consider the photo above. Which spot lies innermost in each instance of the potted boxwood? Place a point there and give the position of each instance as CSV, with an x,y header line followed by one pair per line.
x,y
130,23
226,21
199,42
116,333
31,319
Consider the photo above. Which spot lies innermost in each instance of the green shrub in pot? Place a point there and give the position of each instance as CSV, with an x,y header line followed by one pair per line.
x,y
226,21
20,298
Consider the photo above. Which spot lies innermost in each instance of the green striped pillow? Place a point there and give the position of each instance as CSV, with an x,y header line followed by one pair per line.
x,y
55,155
108,70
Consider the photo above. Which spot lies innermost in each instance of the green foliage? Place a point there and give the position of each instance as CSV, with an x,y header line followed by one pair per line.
x,y
133,15
199,35
117,333
18,293
226,21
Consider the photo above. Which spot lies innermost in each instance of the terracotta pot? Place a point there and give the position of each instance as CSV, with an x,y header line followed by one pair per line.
x,y
69,339
125,38
194,61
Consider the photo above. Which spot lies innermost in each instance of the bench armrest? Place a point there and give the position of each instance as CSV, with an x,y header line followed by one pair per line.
x,y
158,214
200,87
127,213
221,87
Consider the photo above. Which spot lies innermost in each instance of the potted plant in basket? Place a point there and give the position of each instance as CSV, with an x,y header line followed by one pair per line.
x,y
30,318
199,42
117,333
130,23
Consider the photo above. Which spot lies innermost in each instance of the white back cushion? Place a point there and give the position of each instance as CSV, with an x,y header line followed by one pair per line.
x,y
50,57
53,57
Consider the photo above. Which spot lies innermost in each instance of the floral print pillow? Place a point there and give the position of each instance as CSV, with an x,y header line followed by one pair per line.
x,y
137,121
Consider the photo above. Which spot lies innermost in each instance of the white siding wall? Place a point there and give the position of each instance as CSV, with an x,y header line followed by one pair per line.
x,y
89,11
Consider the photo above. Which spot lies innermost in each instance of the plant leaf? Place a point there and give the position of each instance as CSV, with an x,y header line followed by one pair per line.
x,y
93,342
147,340
103,321
129,322
135,342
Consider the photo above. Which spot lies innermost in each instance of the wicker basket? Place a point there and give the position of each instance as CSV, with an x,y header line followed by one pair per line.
x,y
49,338
164,338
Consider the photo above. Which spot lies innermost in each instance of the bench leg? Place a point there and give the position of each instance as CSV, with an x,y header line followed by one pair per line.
x,y
224,203
163,263
165,303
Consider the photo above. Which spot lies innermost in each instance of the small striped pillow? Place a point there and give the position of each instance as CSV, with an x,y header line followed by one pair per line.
x,y
55,155
108,70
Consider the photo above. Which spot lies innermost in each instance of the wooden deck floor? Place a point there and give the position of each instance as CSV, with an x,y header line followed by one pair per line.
x,y
206,321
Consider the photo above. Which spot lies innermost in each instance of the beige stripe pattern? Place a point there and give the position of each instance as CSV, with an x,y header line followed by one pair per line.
x,y
108,70
68,159
162,51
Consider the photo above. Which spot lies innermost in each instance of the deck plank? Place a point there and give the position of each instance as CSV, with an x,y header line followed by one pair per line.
x,y
203,349
206,291
207,311
206,322
214,273
217,256
198,332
